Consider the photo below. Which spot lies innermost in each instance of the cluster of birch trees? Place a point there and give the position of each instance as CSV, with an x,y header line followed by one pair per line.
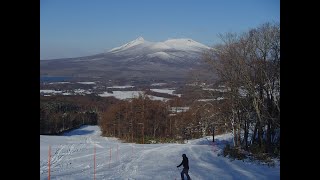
x,y
248,64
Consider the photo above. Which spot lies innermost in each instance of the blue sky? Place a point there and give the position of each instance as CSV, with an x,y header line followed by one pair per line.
x,y
73,28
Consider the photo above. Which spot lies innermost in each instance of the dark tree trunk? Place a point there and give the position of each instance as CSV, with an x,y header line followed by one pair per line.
x,y
212,133
254,134
246,132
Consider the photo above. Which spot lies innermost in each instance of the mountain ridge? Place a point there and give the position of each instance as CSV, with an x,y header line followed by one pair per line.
x,y
141,59
175,44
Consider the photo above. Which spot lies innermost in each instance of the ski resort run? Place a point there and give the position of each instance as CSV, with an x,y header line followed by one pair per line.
x,y
83,154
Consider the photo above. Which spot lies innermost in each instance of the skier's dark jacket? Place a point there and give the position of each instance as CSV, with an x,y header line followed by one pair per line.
x,y
185,163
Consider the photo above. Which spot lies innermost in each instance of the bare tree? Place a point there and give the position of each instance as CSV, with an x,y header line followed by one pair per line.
x,y
249,65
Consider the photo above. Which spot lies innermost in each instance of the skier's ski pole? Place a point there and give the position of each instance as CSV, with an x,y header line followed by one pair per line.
x,y
179,171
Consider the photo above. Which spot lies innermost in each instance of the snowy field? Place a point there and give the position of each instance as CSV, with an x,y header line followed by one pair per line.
x,y
86,82
49,91
158,84
130,95
122,95
121,87
83,154
59,83
166,91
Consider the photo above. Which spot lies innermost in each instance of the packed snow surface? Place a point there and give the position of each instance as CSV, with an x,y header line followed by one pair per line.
x,y
83,154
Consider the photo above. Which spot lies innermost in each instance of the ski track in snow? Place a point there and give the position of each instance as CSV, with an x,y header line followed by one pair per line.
x,y
72,157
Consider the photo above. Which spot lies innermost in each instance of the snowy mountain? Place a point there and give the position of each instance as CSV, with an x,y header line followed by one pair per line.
x,y
171,44
128,45
174,49
84,154
171,59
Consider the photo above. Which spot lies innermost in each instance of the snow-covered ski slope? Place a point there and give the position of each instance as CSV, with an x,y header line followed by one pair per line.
x,y
72,157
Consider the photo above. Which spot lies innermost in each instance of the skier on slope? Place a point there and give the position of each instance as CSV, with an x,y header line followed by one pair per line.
x,y
185,163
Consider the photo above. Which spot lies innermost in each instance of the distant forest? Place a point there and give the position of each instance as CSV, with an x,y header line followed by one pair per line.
x,y
62,113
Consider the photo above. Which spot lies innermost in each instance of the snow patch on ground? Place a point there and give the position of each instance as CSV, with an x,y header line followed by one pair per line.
x,y
49,91
166,91
121,87
122,94
59,82
86,82
158,84
130,95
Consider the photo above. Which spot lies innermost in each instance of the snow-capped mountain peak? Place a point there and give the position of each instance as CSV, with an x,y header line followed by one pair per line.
x,y
128,45
185,44
182,44
171,51
139,39
139,59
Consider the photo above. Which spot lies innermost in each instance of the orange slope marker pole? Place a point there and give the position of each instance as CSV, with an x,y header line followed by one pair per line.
x,y
49,157
110,158
118,152
94,163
